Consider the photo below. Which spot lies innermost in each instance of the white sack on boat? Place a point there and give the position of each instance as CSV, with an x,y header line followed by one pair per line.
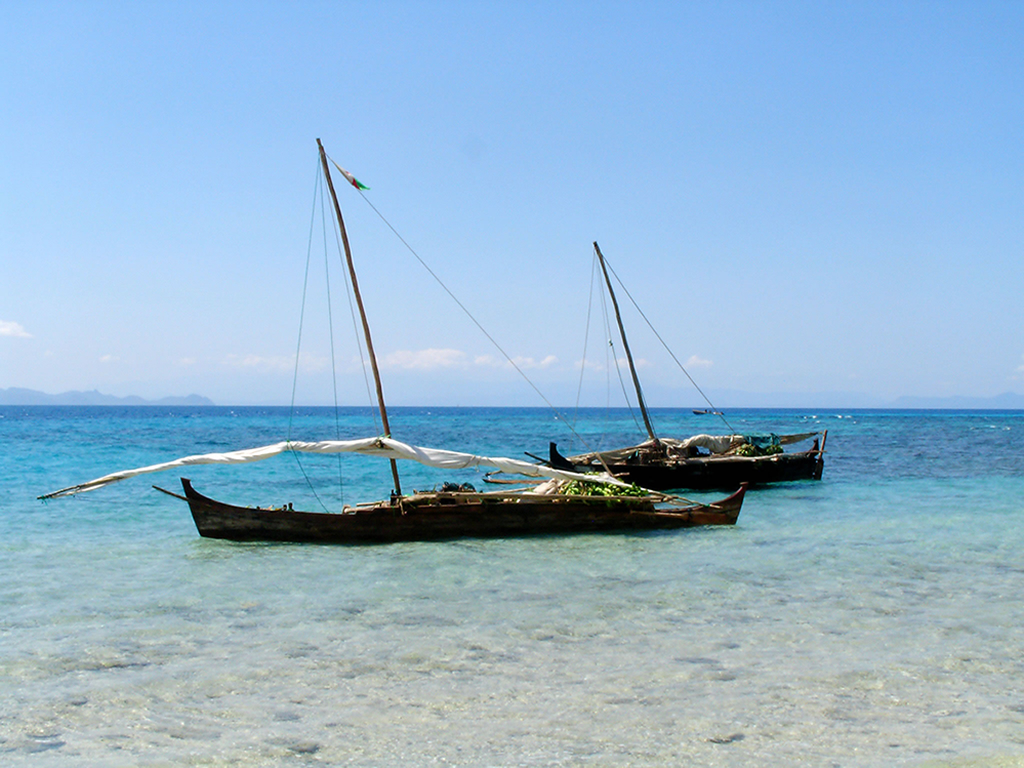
x,y
385,447
723,443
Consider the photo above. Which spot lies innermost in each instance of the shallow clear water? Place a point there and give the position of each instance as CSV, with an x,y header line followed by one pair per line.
x,y
870,619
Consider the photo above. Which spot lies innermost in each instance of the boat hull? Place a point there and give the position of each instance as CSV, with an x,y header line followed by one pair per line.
x,y
438,516
721,472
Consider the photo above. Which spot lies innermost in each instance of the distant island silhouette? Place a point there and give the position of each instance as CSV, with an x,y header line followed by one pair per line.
x,y
18,396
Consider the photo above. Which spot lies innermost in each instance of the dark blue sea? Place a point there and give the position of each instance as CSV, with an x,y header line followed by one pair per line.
x,y
874,618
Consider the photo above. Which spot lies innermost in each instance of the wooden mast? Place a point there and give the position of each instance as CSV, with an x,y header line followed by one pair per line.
x,y
625,345
362,311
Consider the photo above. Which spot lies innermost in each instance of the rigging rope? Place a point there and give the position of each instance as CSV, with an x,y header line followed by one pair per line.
x,y
586,340
667,349
302,308
330,326
508,358
298,347
318,196
558,414
614,362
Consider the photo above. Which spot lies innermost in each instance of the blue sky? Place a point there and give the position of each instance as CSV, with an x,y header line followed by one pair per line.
x,y
804,198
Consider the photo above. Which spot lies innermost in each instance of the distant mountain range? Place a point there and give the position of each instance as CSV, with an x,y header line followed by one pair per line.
x,y
1008,401
17,396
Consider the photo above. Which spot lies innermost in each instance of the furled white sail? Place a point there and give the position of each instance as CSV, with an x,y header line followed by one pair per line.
x,y
385,447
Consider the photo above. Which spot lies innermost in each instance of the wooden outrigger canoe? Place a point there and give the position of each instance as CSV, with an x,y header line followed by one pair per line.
x,y
664,463
450,515
660,467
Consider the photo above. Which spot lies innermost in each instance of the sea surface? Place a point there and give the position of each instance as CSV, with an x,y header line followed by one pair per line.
x,y
875,618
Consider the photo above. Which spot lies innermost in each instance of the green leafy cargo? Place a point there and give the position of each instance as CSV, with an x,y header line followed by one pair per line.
x,y
587,488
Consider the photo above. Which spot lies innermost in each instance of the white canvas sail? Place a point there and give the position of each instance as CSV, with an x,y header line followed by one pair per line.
x,y
385,447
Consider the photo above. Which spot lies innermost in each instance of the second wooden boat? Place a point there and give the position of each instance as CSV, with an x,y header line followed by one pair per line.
x,y
700,462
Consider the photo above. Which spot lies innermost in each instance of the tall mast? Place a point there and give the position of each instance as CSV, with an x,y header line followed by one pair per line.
x,y
362,311
625,345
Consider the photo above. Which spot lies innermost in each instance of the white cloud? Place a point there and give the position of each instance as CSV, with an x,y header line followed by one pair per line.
x,y
1019,374
520,362
698,362
258,362
529,362
109,359
425,359
187,361
8,328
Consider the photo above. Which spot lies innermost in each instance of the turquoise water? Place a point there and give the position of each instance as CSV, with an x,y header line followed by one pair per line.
x,y
871,619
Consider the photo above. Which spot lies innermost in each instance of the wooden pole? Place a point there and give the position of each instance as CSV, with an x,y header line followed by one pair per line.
x,y
625,345
362,311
